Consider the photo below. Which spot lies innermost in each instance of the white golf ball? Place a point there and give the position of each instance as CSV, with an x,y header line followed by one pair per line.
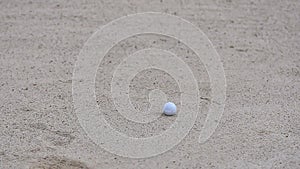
x,y
169,109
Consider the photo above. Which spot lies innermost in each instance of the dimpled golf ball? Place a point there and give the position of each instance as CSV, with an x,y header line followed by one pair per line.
x,y
169,109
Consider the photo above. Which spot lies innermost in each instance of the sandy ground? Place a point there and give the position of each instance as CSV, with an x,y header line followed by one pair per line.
x,y
259,46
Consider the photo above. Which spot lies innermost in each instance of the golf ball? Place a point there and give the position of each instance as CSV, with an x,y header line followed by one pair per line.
x,y
169,109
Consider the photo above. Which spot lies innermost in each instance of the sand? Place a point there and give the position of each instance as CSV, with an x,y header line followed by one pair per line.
x,y
258,43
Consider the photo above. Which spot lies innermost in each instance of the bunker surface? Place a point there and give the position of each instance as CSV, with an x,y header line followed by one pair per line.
x,y
259,47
